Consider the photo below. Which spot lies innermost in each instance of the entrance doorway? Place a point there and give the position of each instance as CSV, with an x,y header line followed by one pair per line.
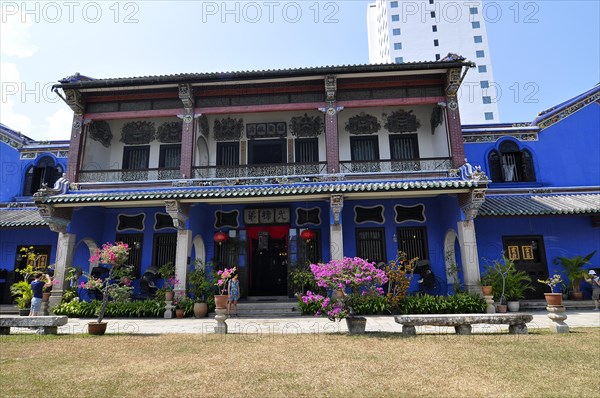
x,y
268,260
529,255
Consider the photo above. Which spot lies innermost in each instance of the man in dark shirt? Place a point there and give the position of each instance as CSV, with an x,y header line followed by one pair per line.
x,y
37,286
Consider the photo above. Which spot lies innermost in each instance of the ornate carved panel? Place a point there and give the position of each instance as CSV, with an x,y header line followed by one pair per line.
x,y
330,87
186,95
266,130
138,133
402,122
409,213
228,129
100,131
363,124
437,117
169,132
306,126
74,99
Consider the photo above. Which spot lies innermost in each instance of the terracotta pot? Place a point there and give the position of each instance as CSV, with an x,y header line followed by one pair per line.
x,y
169,294
553,298
487,290
97,328
221,300
501,307
200,310
577,295
179,313
356,324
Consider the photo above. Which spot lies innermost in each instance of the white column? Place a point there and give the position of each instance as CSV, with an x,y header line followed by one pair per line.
x,y
65,249
468,253
183,251
336,242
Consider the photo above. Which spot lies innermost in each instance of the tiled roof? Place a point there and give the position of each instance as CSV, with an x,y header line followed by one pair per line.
x,y
21,217
530,205
212,192
77,81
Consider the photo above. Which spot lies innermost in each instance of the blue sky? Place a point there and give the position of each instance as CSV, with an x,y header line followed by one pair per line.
x,y
543,52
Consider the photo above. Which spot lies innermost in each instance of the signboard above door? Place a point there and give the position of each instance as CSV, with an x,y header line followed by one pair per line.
x,y
280,215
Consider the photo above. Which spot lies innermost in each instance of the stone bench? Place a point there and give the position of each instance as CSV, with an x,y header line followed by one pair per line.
x,y
44,324
462,322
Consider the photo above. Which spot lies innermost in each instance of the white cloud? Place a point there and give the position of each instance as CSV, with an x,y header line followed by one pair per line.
x,y
59,125
10,88
15,36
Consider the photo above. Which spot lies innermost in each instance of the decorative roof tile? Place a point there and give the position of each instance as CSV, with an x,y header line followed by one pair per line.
x,y
535,205
208,192
21,217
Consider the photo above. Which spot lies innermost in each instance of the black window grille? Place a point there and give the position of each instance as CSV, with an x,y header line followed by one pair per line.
x,y
228,154
362,151
370,244
135,250
227,254
170,156
165,248
413,242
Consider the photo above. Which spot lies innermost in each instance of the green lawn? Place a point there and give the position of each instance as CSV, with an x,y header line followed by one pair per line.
x,y
540,364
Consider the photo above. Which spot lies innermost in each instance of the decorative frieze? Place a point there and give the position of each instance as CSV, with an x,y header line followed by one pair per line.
x,y
138,133
493,137
402,121
169,132
279,215
306,126
100,131
228,129
568,111
363,124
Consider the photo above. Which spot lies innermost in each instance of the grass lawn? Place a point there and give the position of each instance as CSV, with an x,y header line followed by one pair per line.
x,y
540,364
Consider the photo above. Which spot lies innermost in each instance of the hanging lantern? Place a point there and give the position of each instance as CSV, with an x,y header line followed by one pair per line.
x,y
221,237
307,235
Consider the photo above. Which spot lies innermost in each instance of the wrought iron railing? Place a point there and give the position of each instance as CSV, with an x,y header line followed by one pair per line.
x,y
128,175
408,166
260,170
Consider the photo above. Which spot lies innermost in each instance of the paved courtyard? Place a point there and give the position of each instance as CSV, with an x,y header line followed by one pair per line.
x,y
296,325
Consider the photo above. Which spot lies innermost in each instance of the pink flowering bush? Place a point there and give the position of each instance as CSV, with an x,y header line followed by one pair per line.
x,y
113,254
352,280
223,277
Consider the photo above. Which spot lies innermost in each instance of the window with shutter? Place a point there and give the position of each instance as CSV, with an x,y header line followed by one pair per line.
x,y
370,244
413,242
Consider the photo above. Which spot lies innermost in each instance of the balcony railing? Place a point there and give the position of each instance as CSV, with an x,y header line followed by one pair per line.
x,y
260,170
408,166
128,175
253,174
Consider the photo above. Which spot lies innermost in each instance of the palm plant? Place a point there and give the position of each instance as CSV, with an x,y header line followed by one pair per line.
x,y
574,268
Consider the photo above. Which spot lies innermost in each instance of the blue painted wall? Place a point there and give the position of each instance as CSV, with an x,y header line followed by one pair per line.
x,y
10,173
567,153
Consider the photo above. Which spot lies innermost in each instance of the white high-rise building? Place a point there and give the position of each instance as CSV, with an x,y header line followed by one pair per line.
x,y
413,31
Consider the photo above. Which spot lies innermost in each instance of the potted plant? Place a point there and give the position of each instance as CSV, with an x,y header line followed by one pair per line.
x,y
181,302
575,271
115,256
517,283
167,273
199,288
23,294
553,298
350,281
487,282
223,277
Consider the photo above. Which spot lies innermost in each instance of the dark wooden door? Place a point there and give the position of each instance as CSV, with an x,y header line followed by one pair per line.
x,y
268,267
529,255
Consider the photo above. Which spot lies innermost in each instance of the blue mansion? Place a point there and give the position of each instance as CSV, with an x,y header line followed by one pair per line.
x,y
269,170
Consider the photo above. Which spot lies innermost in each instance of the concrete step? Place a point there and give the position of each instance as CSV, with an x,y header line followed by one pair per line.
x,y
279,307
569,304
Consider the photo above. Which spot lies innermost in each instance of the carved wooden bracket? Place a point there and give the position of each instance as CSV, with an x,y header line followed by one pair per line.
x,y
58,219
179,212
471,202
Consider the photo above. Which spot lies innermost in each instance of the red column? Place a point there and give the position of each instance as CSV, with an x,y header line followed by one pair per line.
x,y
187,144
455,132
75,148
332,141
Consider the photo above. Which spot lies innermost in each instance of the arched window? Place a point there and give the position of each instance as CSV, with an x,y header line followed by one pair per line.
x,y
46,171
511,164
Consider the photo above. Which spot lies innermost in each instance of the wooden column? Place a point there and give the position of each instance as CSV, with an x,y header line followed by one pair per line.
x,y
331,125
453,117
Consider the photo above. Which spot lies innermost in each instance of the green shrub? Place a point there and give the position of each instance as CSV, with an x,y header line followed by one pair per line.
x,y
370,304
114,309
460,303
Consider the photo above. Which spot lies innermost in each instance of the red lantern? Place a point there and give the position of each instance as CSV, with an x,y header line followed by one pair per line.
x,y
307,235
221,237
